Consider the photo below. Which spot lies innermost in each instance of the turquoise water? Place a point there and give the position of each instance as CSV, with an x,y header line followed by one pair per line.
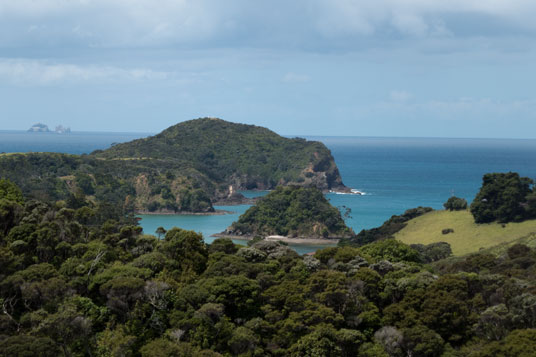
x,y
395,173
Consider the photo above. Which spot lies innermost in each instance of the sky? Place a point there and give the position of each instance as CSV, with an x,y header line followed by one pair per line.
x,y
417,68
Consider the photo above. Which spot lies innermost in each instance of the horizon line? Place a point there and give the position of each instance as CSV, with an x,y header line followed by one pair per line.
x,y
284,135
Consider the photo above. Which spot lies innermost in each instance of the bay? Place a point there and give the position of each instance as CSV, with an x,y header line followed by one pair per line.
x,y
395,173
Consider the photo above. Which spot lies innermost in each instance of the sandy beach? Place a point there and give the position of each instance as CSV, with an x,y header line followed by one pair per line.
x,y
276,238
218,212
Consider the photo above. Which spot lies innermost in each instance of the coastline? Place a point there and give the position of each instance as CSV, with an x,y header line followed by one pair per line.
x,y
292,241
218,212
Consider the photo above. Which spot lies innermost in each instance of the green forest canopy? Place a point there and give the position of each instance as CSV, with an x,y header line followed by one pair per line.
x,y
76,283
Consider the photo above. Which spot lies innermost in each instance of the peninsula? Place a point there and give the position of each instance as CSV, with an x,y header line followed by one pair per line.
x,y
186,168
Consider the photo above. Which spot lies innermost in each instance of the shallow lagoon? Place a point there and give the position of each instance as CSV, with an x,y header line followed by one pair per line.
x,y
208,225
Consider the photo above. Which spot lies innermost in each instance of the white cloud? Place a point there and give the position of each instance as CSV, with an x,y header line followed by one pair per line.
x,y
133,23
295,78
400,96
31,72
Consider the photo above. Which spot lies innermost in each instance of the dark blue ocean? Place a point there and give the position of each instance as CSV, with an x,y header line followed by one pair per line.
x,y
395,173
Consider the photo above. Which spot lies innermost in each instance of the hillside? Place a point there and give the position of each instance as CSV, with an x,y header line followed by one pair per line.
x,y
245,156
186,168
467,237
294,212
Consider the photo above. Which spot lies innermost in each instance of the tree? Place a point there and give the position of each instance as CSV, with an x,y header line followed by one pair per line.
x,y
502,197
224,245
455,204
420,341
160,231
85,183
115,342
187,248
519,343
10,212
321,342
391,250
28,346
433,252
10,192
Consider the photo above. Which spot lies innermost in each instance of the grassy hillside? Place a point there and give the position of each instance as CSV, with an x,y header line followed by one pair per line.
x,y
467,237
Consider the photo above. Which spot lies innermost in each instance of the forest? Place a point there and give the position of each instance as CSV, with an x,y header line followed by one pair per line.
x,y
80,279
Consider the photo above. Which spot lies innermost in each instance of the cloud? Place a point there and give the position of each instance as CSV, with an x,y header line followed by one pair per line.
x,y
295,78
400,96
31,72
311,24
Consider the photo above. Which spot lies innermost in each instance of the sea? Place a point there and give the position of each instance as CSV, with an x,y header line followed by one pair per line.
x,y
394,174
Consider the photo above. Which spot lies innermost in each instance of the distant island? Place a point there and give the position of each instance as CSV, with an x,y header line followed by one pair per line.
x,y
39,128
60,129
43,128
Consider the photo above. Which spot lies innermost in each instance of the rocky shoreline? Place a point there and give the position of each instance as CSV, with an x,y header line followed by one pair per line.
x,y
289,240
218,212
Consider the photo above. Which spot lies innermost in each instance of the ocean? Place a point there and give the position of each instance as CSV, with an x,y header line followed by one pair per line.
x,y
394,173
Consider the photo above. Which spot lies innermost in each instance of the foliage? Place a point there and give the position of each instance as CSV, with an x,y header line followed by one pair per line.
x,y
455,204
10,192
387,229
292,211
391,250
69,288
433,251
503,198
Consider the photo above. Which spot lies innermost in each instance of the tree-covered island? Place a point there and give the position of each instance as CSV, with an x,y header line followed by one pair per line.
x,y
292,211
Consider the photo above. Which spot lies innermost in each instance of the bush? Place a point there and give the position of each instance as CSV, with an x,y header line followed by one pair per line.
x,y
455,204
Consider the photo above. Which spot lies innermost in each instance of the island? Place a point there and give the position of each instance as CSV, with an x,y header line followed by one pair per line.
x,y
60,129
43,128
39,128
291,214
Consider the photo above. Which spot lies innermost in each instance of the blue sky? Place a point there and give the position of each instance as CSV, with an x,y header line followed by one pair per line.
x,y
457,68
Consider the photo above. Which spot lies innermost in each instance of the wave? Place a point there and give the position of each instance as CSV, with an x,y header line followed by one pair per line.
x,y
353,192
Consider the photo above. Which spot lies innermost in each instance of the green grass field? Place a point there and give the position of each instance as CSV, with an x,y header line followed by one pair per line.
x,y
468,236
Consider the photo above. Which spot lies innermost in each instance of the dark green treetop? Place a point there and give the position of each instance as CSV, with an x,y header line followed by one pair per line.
x,y
11,192
502,197
455,204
